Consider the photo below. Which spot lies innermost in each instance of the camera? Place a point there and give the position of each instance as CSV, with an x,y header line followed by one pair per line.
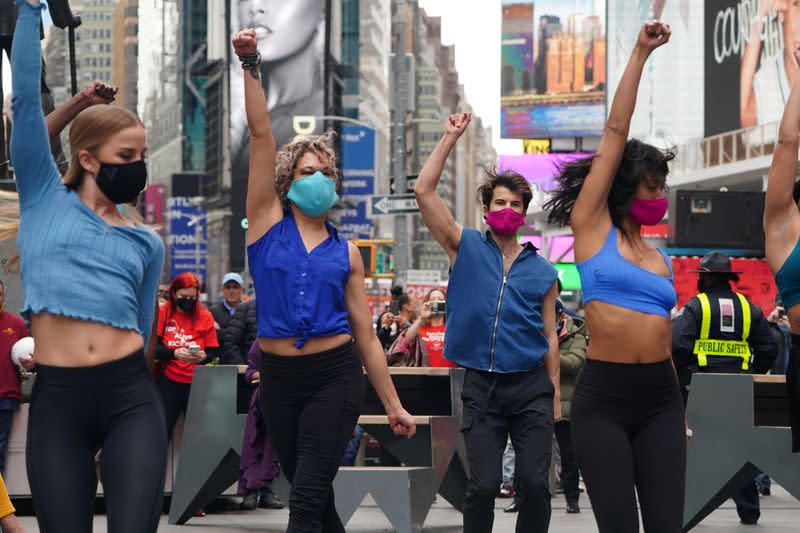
x,y
437,307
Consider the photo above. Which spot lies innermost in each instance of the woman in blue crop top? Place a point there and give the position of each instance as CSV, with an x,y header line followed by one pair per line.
x,y
90,279
627,412
782,238
311,303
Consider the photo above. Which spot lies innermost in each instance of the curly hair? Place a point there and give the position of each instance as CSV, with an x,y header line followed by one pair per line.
x,y
511,180
640,162
287,157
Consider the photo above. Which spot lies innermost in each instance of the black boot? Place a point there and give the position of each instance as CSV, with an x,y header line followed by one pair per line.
x,y
249,502
270,500
573,508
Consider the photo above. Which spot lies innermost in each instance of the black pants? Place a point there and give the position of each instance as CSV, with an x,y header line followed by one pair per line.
x,y
6,418
570,477
175,397
793,389
311,404
496,406
74,412
628,432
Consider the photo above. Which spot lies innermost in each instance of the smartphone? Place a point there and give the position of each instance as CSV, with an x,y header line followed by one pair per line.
x,y
194,349
437,307
394,307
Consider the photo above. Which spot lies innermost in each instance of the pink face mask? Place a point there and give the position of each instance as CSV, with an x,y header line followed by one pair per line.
x,y
648,212
505,222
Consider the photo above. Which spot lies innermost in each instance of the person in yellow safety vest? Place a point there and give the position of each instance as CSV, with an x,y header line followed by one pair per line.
x,y
721,331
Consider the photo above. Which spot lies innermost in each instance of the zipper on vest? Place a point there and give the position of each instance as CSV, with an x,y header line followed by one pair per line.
x,y
497,321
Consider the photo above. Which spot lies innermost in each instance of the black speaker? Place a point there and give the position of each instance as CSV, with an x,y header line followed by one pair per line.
x,y
713,219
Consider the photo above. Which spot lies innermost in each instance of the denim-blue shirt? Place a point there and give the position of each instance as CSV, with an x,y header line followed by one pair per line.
x,y
299,294
73,262
494,321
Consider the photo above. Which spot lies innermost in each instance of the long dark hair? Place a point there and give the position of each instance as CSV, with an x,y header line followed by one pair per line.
x,y
640,162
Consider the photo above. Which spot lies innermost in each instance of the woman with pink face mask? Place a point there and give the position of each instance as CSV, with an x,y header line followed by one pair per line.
x,y
627,413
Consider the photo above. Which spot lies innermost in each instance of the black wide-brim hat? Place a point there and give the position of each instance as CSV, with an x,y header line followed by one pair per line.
x,y
715,263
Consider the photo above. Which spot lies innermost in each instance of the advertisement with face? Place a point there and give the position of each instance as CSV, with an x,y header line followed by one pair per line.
x,y
670,98
291,40
553,72
749,63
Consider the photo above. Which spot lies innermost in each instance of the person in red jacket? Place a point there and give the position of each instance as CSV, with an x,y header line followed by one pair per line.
x,y
12,329
186,338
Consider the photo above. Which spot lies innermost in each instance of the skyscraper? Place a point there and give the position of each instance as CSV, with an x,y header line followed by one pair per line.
x,y
125,53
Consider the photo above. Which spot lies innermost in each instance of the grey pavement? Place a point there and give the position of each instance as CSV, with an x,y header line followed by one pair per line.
x,y
779,513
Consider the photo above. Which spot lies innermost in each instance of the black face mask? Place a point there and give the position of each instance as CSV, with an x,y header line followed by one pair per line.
x,y
122,184
186,304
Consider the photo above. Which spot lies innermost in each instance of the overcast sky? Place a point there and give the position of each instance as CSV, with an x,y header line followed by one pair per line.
x,y
474,27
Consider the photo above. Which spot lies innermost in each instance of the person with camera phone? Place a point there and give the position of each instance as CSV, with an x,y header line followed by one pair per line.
x,y
422,344
186,338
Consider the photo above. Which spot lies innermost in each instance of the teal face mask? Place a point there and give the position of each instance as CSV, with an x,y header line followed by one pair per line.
x,y
314,194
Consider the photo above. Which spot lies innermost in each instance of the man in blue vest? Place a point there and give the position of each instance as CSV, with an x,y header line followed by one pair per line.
x,y
721,331
500,327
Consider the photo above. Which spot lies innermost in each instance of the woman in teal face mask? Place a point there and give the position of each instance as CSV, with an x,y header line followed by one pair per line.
x,y
314,304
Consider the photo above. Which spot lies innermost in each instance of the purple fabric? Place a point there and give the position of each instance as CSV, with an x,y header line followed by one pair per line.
x,y
259,464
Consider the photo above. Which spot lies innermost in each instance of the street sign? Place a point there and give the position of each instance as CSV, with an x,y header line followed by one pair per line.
x,y
393,204
424,277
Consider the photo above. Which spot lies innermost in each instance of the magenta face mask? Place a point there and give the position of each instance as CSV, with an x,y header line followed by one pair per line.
x,y
505,222
648,212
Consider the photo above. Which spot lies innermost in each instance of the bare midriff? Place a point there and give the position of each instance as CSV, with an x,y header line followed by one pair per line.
x,y
69,342
286,347
619,335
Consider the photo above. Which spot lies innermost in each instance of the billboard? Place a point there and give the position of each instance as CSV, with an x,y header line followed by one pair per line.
x,y
358,181
749,63
292,42
539,169
553,68
187,240
728,61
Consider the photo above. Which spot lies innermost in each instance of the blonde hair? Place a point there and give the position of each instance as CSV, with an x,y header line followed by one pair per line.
x,y
287,157
90,130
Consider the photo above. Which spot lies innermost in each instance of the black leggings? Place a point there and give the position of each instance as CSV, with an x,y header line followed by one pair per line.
x,y
73,413
175,397
628,431
793,390
311,404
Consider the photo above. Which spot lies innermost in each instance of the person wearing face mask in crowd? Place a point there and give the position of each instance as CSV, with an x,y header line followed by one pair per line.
x,y
500,327
627,418
314,324
89,275
422,343
721,331
186,338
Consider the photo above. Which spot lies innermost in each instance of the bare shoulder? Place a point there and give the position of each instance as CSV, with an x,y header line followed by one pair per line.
x,y
356,262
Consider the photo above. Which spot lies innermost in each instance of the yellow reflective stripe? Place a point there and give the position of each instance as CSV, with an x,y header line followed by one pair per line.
x,y
721,348
745,317
705,305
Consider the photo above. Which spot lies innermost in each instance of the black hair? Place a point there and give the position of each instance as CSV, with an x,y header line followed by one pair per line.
x,y
396,291
511,180
640,162
404,299
796,192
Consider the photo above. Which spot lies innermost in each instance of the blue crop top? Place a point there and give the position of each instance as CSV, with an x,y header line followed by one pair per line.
x,y
73,262
299,294
608,277
788,279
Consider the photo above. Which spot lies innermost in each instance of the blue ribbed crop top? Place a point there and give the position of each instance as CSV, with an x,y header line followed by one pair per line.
x,y
73,262
788,279
299,294
608,277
